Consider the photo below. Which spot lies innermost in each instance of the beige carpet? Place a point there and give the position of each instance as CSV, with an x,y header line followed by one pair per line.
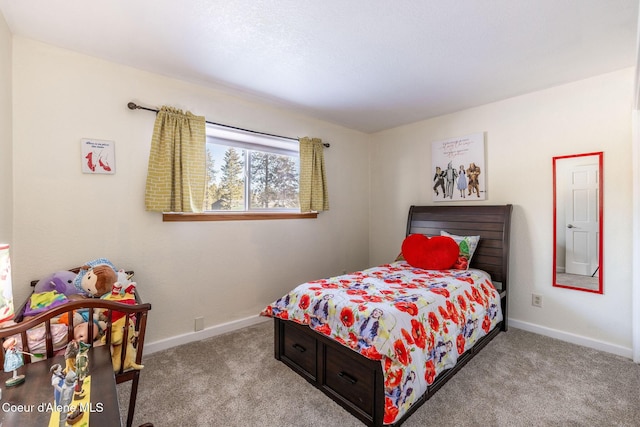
x,y
519,379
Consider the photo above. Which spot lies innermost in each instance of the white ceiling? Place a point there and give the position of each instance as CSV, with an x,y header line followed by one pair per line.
x,y
364,64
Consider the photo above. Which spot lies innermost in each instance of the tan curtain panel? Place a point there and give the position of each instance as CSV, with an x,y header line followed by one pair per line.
x,y
176,179
313,181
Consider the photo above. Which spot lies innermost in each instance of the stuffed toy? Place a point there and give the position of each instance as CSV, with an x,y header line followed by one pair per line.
x,y
117,335
435,253
51,291
96,278
39,302
81,332
124,295
124,279
81,323
60,281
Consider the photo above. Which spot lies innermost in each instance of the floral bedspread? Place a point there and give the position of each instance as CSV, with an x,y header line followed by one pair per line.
x,y
416,322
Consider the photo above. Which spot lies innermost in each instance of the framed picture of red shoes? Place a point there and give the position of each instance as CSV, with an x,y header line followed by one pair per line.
x,y
98,156
458,169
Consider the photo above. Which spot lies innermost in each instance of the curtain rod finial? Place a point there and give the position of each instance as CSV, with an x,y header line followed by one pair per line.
x,y
132,106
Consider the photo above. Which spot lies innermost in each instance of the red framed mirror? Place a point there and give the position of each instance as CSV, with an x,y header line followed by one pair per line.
x,y
577,222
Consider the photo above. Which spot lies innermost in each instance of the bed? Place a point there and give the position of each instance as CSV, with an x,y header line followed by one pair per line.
x,y
45,336
380,342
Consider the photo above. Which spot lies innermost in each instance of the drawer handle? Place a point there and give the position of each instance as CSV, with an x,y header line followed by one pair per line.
x,y
300,348
348,378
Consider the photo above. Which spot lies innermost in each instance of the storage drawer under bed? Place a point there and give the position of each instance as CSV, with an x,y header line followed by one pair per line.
x,y
350,379
299,348
347,377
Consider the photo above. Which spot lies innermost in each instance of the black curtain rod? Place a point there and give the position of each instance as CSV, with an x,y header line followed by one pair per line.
x,y
134,106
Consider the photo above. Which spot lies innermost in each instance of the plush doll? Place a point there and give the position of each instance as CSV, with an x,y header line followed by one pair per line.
x,y
123,279
96,277
81,323
121,295
60,281
117,336
81,332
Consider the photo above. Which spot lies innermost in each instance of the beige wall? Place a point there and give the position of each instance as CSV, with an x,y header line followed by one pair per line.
x,y
522,136
221,271
229,270
6,185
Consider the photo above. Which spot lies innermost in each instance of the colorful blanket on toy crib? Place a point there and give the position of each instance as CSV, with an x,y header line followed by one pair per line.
x,y
416,322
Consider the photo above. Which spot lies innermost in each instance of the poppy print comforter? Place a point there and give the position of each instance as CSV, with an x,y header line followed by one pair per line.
x,y
416,322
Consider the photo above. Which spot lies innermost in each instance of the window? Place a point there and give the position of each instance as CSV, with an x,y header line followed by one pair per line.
x,y
249,172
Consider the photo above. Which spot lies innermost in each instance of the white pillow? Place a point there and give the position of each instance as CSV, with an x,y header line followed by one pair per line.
x,y
467,245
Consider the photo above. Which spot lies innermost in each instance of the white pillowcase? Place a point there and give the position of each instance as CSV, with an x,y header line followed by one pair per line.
x,y
467,245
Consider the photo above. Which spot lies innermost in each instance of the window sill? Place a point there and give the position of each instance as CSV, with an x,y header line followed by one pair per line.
x,y
240,216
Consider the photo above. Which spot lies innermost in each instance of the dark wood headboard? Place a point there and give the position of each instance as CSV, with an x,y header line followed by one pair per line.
x,y
491,222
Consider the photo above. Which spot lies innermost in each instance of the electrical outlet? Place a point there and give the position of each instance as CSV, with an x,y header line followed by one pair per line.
x,y
199,324
536,300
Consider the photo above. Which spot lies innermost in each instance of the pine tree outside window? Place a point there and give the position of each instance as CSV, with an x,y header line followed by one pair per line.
x,y
250,172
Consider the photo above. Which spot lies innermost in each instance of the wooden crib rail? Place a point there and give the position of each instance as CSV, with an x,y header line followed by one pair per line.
x,y
92,305
136,313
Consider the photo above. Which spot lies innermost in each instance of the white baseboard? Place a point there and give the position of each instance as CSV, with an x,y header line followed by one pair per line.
x,y
212,331
254,320
572,338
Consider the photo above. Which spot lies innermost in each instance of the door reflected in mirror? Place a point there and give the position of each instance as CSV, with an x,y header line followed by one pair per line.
x,y
577,224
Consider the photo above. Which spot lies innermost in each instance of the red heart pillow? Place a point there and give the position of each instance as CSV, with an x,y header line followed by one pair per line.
x,y
435,253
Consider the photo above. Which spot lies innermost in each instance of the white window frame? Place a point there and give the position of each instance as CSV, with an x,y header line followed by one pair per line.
x,y
246,140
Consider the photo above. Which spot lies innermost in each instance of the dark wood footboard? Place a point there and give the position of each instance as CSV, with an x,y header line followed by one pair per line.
x,y
347,377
